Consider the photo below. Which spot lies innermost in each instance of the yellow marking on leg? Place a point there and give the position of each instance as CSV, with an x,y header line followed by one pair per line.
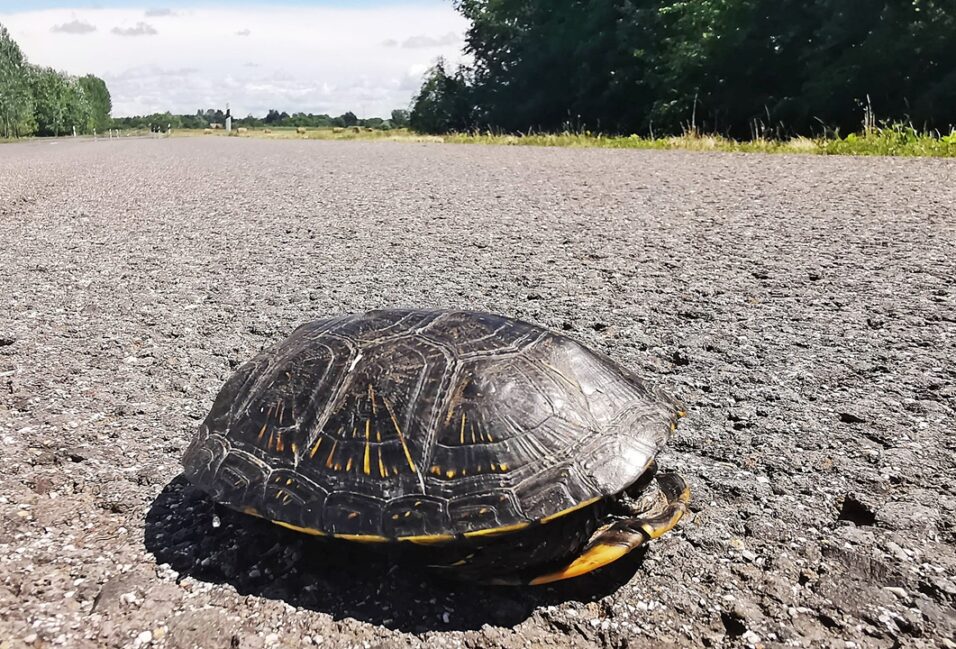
x,y
435,470
279,445
252,511
473,439
281,410
656,531
503,467
371,397
494,531
269,445
304,530
450,473
381,465
262,431
328,462
348,465
598,556
461,435
401,437
315,449
366,464
570,509
288,482
295,449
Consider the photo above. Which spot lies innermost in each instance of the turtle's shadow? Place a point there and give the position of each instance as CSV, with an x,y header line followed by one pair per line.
x,y
200,539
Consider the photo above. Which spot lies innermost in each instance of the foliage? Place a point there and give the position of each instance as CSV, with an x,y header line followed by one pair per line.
x,y
399,118
98,96
444,102
16,100
51,93
45,101
744,68
273,119
893,140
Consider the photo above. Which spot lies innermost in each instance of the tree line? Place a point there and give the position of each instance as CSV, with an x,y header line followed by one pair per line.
x,y
274,118
744,68
44,101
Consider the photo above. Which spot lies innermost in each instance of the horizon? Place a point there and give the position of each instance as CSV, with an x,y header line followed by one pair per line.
x,y
300,56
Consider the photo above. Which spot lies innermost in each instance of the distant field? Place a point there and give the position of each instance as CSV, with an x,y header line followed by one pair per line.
x,y
290,133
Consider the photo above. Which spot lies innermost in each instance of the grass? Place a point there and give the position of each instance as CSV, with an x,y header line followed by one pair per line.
x,y
885,140
890,140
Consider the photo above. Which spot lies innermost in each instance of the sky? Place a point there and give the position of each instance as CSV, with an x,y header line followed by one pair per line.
x,y
330,56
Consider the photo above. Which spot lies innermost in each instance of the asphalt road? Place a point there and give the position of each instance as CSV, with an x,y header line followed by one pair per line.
x,y
803,307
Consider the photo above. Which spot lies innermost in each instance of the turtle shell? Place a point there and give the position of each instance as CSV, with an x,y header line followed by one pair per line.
x,y
425,425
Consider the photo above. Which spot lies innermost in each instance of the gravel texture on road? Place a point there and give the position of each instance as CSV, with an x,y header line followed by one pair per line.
x,y
802,307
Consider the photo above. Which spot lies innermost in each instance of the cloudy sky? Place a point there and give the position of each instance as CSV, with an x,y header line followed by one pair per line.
x,y
320,56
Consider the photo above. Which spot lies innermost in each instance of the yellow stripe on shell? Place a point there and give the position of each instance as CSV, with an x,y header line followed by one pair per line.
x,y
493,531
362,538
366,464
296,528
401,436
428,539
570,509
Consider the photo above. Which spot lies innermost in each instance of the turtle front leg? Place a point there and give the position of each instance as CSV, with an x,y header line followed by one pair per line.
x,y
614,540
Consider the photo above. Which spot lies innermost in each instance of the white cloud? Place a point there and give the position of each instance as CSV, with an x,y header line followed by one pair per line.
x,y
305,59
243,32
159,13
74,27
141,29
422,41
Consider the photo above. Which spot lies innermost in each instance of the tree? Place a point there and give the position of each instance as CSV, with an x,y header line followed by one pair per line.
x,y
444,102
16,98
349,119
739,67
399,118
61,103
50,93
78,110
98,96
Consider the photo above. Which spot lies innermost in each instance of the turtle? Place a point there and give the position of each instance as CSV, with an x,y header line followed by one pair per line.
x,y
481,446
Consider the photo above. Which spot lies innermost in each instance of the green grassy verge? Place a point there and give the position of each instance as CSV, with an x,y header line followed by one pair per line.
x,y
883,141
